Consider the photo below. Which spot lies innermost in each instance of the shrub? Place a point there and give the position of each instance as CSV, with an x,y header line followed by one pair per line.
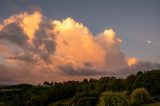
x,y
83,94
140,96
58,104
157,98
113,99
86,101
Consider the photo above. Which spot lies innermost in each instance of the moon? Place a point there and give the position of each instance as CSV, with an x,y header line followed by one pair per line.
x,y
149,41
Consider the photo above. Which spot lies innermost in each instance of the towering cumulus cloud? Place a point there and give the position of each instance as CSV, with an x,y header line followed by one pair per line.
x,y
35,48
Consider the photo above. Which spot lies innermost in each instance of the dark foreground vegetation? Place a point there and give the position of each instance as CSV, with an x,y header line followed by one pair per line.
x,y
137,89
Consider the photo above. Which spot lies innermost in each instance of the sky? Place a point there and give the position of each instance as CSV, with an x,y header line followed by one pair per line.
x,y
73,39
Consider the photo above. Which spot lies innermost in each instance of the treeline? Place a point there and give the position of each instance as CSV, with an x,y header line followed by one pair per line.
x,y
80,93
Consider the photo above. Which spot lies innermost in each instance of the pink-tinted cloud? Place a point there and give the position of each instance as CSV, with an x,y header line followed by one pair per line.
x,y
54,50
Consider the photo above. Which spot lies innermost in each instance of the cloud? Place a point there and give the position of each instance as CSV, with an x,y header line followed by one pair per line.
x,y
28,22
114,58
132,61
142,66
9,74
76,46
4,49
34,36
13,33
47,49
23,73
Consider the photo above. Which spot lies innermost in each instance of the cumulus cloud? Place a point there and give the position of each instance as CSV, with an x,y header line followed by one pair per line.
x,y
4,49
34,36
12,32
47,49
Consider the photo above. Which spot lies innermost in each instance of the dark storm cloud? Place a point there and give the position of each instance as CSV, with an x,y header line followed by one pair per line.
x,y
22,74
23,57
13,33
145,66
81,71
140,66
86,71
88,64
12,73
45,37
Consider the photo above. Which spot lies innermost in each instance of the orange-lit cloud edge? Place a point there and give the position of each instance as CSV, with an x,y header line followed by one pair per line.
x,y
58,50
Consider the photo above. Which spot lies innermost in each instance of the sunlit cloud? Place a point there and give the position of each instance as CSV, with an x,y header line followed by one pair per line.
x,y
76,44
28,22
59,50
132,61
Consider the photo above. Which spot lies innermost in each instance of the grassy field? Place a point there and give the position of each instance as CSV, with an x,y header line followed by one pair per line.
x,y
1,103
154,104
65,101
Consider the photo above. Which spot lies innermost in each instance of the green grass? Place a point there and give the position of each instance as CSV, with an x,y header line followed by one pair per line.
x,y
8,90
153,104
64,101
1,103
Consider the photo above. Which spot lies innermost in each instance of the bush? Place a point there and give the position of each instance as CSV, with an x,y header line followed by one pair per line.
x,y
140,96
86,101
157,98
113,99
83,94
58,104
